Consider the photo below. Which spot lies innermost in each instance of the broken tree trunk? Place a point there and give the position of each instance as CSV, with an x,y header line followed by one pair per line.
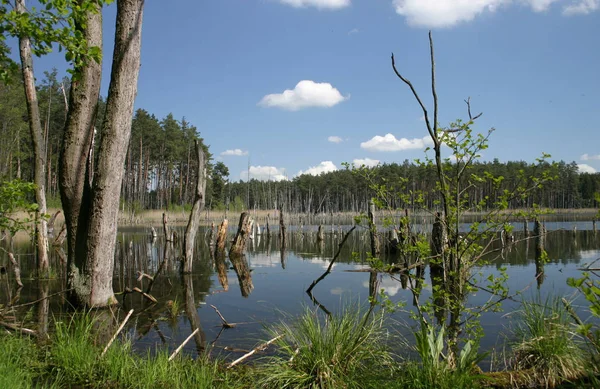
x,y
281,228
167,233
221,237
239,242
375,250
16,269
193,223
320,235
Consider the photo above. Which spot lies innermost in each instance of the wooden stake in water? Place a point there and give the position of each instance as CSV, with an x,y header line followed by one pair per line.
x,y
116,333
183,344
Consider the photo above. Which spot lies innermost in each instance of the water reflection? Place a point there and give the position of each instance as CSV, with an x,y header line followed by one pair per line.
x,y
272,279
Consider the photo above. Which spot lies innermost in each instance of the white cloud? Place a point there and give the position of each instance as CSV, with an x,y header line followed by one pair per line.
x,y
448,13
305,94
368,162
539,5
353,31
587,157
335,139
584,168
323,167
321,4
583,7
264,173
390,143
443,13
235,152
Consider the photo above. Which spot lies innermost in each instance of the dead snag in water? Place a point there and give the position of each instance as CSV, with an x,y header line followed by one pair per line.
x,y
221,237
281,228
239,242
194,221
16,269
337,254
166,230
138,290
320,235
269,228
224,322
211,237
375,250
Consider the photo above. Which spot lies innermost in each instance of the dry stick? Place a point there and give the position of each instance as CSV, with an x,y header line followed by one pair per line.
x,y
225,323
42,299
116,333
257,348
337,254
142,275
138,290
19,329
16,269
183,344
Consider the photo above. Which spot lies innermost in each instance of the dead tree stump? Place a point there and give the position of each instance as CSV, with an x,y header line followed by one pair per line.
x,y
221,237
194,222
281,228
239,242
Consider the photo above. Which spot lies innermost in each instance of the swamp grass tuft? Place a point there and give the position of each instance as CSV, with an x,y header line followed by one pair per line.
x,y
546,342
347,350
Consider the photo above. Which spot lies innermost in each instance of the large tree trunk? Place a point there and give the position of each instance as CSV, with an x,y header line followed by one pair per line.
x,y
77,141
90,275
39,148
199,200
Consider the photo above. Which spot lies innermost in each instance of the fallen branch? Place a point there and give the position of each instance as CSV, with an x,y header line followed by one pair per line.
x,y
42,299
337,254
138,290
225,323
18,329
183,344
253,351
16,269
392,269
142,275
116,333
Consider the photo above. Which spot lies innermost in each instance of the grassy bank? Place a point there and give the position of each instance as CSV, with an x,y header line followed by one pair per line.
x,y
350,350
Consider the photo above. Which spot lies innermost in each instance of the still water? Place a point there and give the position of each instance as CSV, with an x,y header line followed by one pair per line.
x,y
269,285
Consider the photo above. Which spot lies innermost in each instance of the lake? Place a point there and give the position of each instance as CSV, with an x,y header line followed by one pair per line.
x,y
271,284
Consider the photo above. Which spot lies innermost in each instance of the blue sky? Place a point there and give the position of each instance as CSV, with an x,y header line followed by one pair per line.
x,y
304,85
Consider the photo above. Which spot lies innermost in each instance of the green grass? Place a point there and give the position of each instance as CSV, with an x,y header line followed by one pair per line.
x,y
348,350
17,361
546,342
77,360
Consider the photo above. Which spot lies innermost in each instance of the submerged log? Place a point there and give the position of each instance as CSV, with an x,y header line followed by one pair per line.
x,y
239,242
192,228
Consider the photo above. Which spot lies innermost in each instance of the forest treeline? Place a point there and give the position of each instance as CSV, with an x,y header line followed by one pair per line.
x,y
160,168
